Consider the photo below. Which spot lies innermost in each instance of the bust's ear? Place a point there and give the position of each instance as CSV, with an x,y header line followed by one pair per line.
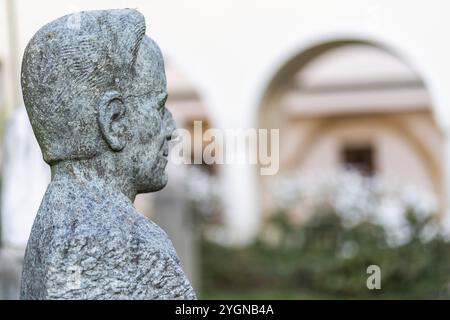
x,y
112,120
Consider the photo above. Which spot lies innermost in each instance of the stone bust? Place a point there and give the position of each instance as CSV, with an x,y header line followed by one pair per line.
x,y
95,93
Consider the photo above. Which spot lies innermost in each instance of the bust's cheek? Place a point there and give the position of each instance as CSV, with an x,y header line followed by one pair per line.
x,y
148,128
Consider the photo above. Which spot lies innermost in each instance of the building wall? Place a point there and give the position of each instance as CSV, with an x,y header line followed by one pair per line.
x,y
394,137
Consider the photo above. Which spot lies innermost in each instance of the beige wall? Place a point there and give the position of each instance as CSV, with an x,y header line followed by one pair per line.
x,y
396,139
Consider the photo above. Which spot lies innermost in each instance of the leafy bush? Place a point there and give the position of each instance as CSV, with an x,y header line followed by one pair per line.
x,y
324,258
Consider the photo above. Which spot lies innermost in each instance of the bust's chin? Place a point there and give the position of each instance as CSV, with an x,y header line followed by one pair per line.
x,y
163,182
155,183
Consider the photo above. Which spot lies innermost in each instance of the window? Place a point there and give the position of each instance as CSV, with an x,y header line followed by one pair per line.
x,y
359,158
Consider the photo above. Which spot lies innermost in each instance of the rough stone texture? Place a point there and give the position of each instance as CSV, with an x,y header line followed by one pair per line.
x,y
94,88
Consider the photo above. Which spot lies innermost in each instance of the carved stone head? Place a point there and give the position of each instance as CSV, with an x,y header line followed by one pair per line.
x,y
94,88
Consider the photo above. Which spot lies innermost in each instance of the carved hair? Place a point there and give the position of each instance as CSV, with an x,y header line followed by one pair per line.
x,y
67,66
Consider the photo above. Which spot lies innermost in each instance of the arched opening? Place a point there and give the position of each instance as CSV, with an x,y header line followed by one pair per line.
x,y
353,106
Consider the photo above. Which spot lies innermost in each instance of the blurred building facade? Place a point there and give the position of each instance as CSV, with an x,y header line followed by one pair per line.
x,y
352,105
356,84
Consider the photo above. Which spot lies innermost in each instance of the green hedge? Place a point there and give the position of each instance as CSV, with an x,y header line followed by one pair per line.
x,y
323,259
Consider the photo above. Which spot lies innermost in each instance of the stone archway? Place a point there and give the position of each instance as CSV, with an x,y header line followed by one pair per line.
x,y
353,94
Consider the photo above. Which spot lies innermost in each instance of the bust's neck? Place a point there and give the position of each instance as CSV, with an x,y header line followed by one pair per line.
x,y
93,172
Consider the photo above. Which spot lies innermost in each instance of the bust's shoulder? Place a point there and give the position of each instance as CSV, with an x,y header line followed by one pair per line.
x,y
107,245
84,212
